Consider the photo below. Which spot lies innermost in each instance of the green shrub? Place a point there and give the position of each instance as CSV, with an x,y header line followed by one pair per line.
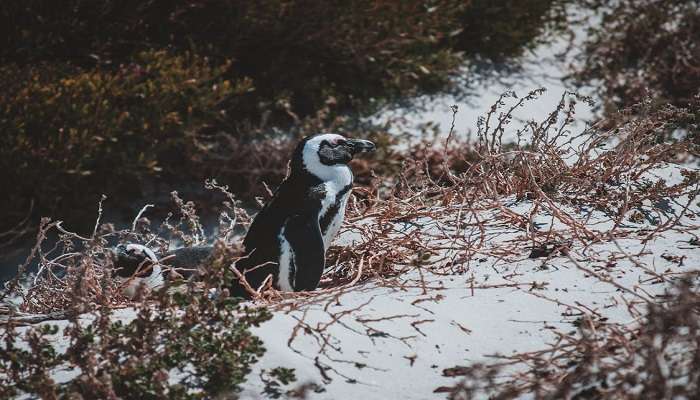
x,y
177,344
65,128
208,347
498,30
91,104
300,51
644,48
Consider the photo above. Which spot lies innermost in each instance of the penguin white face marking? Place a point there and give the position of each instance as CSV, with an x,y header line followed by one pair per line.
x,y
141,250
326,156
315,148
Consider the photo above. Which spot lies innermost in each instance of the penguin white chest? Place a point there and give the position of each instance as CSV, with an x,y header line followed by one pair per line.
x,y
336,193
284,278
337,220
335,200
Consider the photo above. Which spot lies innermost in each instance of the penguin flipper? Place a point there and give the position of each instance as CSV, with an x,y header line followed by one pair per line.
x,y
304,236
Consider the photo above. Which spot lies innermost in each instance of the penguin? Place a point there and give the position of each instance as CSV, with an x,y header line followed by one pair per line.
x,y
288,238
137,265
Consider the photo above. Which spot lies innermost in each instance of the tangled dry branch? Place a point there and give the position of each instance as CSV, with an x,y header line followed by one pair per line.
x,y
437,215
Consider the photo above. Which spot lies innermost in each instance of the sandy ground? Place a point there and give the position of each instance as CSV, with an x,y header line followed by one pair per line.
x,y
393,339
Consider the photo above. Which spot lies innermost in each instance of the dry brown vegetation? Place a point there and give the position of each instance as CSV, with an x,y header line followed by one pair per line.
x,y
446,180
657,358
79,110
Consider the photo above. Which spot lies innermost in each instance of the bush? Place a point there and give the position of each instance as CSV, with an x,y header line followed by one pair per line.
x,y
655,359
645,48
298,51
498,30
92,100
66,128
179,342
206,344
182,344
104,96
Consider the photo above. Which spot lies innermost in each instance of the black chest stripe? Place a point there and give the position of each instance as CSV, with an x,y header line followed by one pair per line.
x,y
333,210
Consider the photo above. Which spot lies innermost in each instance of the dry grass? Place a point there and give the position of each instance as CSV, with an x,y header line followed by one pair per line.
x,y
453,184
447,180
654,358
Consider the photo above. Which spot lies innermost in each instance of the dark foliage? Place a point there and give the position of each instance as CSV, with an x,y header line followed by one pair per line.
x,y
298,51
203,343
109,95
645,49
66,128
497,30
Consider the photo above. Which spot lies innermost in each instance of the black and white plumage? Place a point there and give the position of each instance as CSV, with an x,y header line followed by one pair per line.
x,y
289,237
138,265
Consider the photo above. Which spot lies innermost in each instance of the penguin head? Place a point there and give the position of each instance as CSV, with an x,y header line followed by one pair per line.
x,y
324,155
128,257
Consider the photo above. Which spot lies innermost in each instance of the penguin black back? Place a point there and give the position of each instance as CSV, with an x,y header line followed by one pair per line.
x,y
286,239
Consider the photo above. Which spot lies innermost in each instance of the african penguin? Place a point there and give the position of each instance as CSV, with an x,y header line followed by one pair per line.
x,y
137,265
289,237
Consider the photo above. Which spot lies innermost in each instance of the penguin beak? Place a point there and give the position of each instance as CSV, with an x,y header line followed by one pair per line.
x,y
361,146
